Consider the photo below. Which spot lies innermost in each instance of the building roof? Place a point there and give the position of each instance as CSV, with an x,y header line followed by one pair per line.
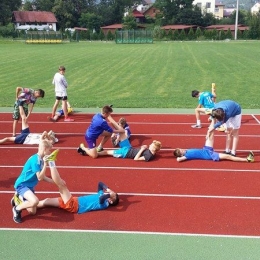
x,y
113,26
137,14
225,27
33,17
178,27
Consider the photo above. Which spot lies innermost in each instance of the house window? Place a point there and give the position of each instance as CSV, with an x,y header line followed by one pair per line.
x,y
208,4
216,10
199,5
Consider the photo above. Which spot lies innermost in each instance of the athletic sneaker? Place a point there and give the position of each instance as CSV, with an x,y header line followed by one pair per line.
x,y
51,119
80,150
196,126
52,156
100,149
17,215
15,201
68,119
230,153
250,157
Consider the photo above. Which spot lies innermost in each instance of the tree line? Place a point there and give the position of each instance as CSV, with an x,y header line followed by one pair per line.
x,y
93,14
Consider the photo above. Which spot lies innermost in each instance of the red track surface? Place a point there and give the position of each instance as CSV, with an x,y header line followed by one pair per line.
x,y
201,197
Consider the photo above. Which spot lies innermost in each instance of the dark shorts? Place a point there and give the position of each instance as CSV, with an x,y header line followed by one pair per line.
x,y
19,139
92,143
61,98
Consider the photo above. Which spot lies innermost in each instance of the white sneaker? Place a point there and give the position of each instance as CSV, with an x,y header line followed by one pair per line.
x,y
196,126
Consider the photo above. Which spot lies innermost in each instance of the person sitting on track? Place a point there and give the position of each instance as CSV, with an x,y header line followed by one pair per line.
x,y
25,137
60,113
33,171
115,138
104,198
144,153
208,153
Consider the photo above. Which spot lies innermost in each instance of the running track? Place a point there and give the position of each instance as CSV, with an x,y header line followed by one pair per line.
x,y
193,197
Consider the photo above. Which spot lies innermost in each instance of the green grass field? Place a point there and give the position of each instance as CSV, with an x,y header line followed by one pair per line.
x,y
159,75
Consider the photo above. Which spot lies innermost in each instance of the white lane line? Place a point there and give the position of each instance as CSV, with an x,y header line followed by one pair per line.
x,y
130,232
256,119
142,168
156,195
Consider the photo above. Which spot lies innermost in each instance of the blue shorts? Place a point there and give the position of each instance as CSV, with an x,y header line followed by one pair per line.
x,y
92,143
123,150
19,139
214,156
22,189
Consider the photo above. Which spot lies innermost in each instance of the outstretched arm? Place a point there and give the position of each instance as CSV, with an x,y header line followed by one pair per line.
x,y
138,157
181,159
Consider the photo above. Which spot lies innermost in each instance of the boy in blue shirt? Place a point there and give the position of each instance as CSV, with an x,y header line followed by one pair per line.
x,y
98,127
33,171
208,153
228,112
206,101
104,198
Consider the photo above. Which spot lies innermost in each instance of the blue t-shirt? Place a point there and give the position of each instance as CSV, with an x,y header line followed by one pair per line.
x,y
206,153
205,99
28,177
231,109
93,202
97,126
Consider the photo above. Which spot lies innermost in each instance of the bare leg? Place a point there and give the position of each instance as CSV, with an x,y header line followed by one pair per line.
x,y
65,108
14,127
64,191
55,107
235,134
228,139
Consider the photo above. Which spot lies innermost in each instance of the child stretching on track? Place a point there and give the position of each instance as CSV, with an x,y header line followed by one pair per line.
x,y
60,113
144,153
206,101
98,127
25,100
208,153
115,138
25,137
33,171
104,198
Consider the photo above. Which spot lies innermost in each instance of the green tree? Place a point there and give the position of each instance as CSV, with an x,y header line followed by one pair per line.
x,y
176,35
101,35
191,35
42,5
129,22
254,26
198,33
229,34
91,21
182,35
6,9
170,35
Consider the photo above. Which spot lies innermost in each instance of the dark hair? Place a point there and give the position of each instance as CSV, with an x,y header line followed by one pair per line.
x,y
62,68
194,93
116,201
218,113
41,92
107,109
177,152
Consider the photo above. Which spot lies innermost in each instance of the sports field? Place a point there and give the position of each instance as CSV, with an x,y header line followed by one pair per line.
x,y
168,210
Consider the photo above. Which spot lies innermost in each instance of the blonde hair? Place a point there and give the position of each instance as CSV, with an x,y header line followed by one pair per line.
x,y
157,144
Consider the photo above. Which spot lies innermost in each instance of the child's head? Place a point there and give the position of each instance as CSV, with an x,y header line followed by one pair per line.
x,y
177,152
114,199
122,122
106,111
39,93
155,146
218,113
195,93
62,69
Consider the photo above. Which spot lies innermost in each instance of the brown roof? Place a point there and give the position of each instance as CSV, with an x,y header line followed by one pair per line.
x,y
178,27
33,16
137,14
225,27
113,26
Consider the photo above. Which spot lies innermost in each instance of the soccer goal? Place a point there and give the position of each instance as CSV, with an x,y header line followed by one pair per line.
x,y
134,36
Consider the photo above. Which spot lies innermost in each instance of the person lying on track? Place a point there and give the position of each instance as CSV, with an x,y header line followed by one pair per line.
x,y
208,153
25,137
104,198
125,150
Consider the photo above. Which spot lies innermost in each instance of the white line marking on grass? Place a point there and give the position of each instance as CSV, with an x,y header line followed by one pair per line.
x,y
129,232
142,168
256,119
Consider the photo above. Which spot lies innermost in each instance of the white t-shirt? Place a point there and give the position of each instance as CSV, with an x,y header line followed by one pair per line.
x,y
34,139
60,85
